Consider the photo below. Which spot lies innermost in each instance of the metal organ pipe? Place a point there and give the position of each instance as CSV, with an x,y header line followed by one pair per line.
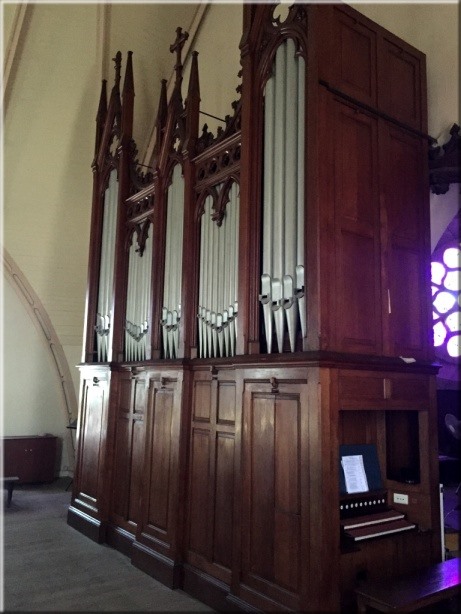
x,y
171,311
106,268
282,278
137,300
218,278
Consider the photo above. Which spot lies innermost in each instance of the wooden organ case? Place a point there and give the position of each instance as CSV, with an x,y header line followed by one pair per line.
x,y
258,300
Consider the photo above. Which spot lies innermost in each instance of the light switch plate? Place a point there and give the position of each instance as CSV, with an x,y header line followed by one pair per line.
x,y
400,498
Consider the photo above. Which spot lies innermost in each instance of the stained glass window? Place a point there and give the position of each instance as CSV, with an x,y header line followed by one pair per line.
x,y
446,296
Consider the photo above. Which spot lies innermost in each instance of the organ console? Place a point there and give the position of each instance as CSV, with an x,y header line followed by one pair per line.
x,y
249,301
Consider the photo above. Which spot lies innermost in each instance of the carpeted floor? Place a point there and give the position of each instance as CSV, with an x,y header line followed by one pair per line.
x,y
49,566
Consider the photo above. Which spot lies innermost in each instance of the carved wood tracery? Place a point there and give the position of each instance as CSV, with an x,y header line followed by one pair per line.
x,y
445,163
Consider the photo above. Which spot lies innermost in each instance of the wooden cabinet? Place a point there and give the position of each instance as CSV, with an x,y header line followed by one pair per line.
x,y
32,459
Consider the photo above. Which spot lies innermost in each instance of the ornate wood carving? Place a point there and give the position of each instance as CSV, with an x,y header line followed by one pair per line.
x,y
444,163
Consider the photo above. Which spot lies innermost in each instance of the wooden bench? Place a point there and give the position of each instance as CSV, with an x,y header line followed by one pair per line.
x,y
9,483
410,593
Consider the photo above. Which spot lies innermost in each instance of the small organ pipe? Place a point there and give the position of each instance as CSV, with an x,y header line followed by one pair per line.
x,y
218,278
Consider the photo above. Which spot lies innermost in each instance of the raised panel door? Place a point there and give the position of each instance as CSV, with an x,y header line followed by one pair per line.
x,y
211,473
90,470
272,552
157,525
356,295
350,65
128,455
406,251
401,75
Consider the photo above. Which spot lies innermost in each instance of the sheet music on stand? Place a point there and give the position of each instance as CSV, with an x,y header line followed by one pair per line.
x,y
354,474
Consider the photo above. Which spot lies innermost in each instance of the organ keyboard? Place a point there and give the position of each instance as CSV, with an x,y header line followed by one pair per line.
x,y
367,515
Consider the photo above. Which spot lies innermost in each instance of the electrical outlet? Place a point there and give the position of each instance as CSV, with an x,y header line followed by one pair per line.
x,y
399,498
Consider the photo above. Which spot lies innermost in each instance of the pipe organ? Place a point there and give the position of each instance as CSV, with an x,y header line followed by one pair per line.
x,y
238,329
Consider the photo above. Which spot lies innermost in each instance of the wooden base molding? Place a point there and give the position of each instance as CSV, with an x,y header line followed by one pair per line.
x,y
119,539
209,590
160,567
86,524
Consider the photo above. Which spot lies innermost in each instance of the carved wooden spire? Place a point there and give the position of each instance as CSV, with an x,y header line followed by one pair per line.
x,y
161,119
193,100
177,47
128,98
101,116
115,105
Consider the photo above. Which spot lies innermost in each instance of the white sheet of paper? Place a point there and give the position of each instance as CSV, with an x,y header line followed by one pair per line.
x,y
354,474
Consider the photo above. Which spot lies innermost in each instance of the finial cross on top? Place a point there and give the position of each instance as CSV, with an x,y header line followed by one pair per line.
x,y
177,47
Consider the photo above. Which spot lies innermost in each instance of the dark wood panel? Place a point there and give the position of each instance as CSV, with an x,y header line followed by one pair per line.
x,y
128,454
226,403
400,92
160,445
199,480
121,464
347,55
405,233
137,461
224,500
360,390
261,557
93,426
202,400
357,311
271,546
355,46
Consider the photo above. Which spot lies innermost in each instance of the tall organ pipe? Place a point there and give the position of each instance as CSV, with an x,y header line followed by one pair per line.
x,y
106,268
171,311
282,279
